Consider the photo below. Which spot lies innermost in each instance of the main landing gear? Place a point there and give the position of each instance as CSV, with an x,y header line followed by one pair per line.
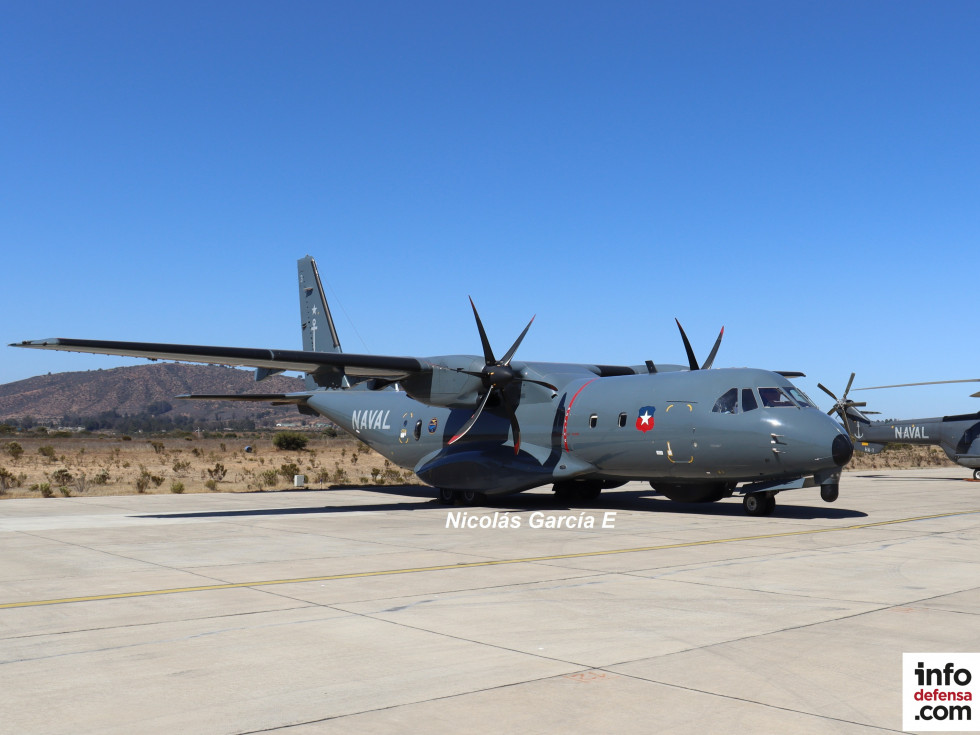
x,y
976,474
759,504
460,497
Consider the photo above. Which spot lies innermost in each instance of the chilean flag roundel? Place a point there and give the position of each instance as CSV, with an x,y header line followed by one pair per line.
x,y
644,422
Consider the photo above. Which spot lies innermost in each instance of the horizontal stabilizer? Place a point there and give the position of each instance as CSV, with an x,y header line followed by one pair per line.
x,y
276,399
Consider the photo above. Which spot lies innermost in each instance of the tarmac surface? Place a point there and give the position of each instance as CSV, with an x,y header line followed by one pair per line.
x,y
360,611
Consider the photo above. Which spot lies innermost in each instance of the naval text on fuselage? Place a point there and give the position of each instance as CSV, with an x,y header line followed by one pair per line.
x,y
537,519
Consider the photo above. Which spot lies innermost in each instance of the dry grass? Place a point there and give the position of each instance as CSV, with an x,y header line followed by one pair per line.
x,y
113,465
901,456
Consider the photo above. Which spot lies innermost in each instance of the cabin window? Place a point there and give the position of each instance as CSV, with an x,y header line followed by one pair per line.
x,y
728,403
748,400
774,398
418,429
622,420
593,420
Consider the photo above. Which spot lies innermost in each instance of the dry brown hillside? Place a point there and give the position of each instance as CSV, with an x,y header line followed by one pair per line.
x,y
129,390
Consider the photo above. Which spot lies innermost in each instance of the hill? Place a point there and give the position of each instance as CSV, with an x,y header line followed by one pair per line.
x,y
140,389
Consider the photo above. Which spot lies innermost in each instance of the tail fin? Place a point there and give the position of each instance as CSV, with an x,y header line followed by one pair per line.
x,y
319,332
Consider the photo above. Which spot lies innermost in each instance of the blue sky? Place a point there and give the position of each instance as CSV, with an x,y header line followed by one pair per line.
x,y
805,174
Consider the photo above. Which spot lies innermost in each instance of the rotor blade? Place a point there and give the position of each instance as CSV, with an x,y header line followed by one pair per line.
x,y
487,351
848,388
929,382
514,426
472,420
826,390
714,350
692,361
505,360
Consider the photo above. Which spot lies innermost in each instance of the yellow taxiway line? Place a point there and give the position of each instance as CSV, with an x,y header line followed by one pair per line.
x,y
469,565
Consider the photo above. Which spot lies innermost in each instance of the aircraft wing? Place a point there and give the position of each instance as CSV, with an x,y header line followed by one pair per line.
x,y
369,366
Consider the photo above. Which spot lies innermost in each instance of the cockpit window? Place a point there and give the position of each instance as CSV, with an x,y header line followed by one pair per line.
x,y
728,403
774,397
800,397
748,400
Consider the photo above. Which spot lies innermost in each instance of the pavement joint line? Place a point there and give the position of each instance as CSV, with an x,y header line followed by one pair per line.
x,y
467,565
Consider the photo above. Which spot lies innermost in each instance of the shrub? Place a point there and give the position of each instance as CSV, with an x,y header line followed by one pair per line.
x,y
14,449
269,477
44,488
62,476
211,485
289,469
218,472
101,477
181,466
6,480
177,487
289,441
143,480
47,451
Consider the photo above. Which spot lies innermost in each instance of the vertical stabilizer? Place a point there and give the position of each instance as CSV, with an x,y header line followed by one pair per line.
x,y
319,332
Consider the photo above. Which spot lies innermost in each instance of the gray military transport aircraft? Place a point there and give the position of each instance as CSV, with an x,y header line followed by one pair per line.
x,y
480,426
958,436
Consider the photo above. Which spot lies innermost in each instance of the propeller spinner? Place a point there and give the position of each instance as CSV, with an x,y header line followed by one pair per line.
x,y
497,376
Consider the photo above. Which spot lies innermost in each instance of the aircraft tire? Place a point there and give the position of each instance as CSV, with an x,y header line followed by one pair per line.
x,y
976,474
469,497
446,496
759,504
577,491
830,492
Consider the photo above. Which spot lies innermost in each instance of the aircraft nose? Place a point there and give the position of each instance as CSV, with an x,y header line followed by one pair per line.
x,y
842,449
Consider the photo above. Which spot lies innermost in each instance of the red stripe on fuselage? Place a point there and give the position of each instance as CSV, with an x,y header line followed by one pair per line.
x,y
568,411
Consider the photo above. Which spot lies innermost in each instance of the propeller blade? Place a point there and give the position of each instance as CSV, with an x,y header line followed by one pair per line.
x,y
714,351
514,426
472,420
930,382
692,361
487,351
505,360
848,388
538,382
651,368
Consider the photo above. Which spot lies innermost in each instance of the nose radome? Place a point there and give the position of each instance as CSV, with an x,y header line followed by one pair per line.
x,y
842,450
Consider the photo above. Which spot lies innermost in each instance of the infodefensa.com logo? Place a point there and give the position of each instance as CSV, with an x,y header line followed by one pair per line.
x,y
939,691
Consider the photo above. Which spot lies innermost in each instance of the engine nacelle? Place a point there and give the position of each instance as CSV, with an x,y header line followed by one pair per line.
x,y
445,385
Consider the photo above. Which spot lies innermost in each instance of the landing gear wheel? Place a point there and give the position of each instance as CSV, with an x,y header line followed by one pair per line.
x,y
446,496
469,497
759,504
577,491
976,474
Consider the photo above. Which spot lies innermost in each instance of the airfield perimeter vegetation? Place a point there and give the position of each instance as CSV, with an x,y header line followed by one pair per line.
x,y
44,463
363,610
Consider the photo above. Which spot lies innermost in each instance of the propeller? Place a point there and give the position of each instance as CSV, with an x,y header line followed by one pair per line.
x,y
691,359
844,408
497,376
